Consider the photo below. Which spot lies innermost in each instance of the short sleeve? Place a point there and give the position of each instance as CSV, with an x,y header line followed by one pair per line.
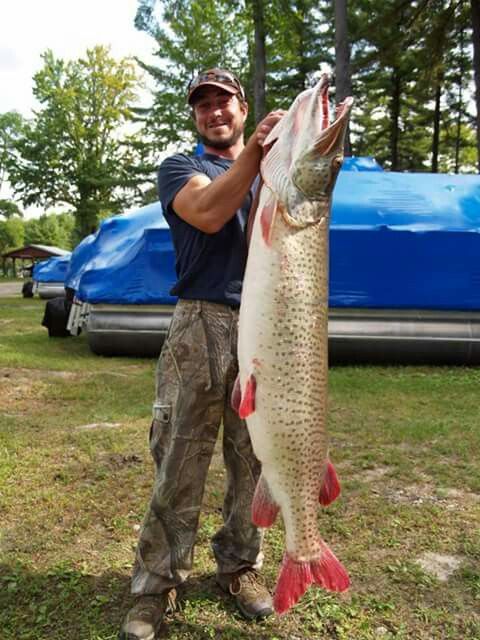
x,y
173,174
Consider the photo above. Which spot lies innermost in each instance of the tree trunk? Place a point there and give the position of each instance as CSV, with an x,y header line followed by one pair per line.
x,y
395,119
475,6
458,137
259,103
343,82
436,127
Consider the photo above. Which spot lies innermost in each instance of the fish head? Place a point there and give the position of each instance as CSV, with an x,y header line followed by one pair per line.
x,y
315,171
304,151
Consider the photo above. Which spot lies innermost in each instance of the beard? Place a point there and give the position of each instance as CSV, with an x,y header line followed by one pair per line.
x,y
222,144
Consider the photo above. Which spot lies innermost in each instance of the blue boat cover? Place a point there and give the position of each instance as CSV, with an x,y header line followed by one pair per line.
x,y
52,270
130,260
354,163
397,240
80,258
405,240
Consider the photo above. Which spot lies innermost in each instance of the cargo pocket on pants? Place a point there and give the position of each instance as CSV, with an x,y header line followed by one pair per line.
x,y
160,431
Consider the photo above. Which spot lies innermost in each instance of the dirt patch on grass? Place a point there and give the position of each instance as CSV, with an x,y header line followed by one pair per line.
x,y
426,492
440,566
372,475
19,374
118,461
20,393
98,425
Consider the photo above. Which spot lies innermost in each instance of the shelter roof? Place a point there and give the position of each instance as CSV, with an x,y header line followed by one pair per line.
x,y
33,251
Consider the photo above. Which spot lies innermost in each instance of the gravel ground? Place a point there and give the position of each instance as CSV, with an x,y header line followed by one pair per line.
x,y
10,289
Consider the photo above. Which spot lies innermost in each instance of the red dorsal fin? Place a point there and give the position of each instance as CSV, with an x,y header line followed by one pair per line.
x,y
236,395
247,405
264,507
330,487
295,578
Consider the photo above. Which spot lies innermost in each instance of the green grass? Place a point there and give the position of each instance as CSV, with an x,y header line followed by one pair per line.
x,y
405,440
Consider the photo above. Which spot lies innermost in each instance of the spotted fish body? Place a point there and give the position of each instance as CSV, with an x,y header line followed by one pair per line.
x,y
283,340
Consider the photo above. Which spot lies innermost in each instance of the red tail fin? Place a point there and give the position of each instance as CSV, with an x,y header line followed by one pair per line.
x,y
264,507
296,577
331,487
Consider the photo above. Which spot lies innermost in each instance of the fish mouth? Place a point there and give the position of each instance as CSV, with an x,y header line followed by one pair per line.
x,y
332,135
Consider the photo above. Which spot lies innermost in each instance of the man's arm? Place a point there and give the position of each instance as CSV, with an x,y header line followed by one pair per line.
x,y
208,205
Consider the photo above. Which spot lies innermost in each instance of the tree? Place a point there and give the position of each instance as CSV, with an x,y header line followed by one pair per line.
x,y
11,234
52,229
76,151
475,17
409,72
11,124
8,209
343,81
260,64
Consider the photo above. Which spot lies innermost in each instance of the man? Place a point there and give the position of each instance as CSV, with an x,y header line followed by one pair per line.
x,y
206,200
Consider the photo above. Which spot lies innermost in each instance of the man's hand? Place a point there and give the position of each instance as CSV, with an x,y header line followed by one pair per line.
x,y
266,125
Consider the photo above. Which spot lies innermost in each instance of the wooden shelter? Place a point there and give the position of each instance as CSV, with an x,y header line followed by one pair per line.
x,y
30,254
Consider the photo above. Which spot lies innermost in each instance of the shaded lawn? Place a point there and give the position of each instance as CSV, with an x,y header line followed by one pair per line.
x,y
405,441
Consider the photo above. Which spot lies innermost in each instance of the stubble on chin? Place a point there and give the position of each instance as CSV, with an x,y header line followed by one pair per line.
x,y
221,144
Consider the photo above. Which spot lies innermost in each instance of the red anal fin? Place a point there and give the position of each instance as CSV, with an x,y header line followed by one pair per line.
x,y
264,507
267,217
330,487
236,395
295,578
247,404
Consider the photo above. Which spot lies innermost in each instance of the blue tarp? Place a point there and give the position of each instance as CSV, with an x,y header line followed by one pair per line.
x,y
403,240
129,260
397,240
81,256
52,270
361,164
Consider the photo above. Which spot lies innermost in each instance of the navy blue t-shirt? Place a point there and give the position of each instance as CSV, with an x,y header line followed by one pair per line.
x,y
209,266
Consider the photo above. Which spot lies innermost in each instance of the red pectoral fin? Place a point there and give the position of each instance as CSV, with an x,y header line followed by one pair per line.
x,y
267,218
247,404
330,487
264,507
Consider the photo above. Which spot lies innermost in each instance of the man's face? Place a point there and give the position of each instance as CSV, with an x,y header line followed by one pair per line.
x,y
219,117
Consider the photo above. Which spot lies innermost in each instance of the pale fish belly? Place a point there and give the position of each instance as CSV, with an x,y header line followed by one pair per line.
x,y
283,343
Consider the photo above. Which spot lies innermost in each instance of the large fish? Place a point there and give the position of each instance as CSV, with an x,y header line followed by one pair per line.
x,y
283,341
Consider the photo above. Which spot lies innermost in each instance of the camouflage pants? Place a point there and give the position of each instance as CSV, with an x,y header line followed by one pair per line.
x,y
195,375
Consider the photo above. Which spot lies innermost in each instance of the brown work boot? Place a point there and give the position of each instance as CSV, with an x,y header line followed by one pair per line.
x,y
250,593
145,618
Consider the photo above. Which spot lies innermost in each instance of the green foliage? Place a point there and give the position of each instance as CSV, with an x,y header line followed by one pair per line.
x,y
402,53
8,209
297,46
78,150
11,234
11,124
55,230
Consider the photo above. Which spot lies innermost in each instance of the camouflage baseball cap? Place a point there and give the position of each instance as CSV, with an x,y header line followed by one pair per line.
x,y
222,78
